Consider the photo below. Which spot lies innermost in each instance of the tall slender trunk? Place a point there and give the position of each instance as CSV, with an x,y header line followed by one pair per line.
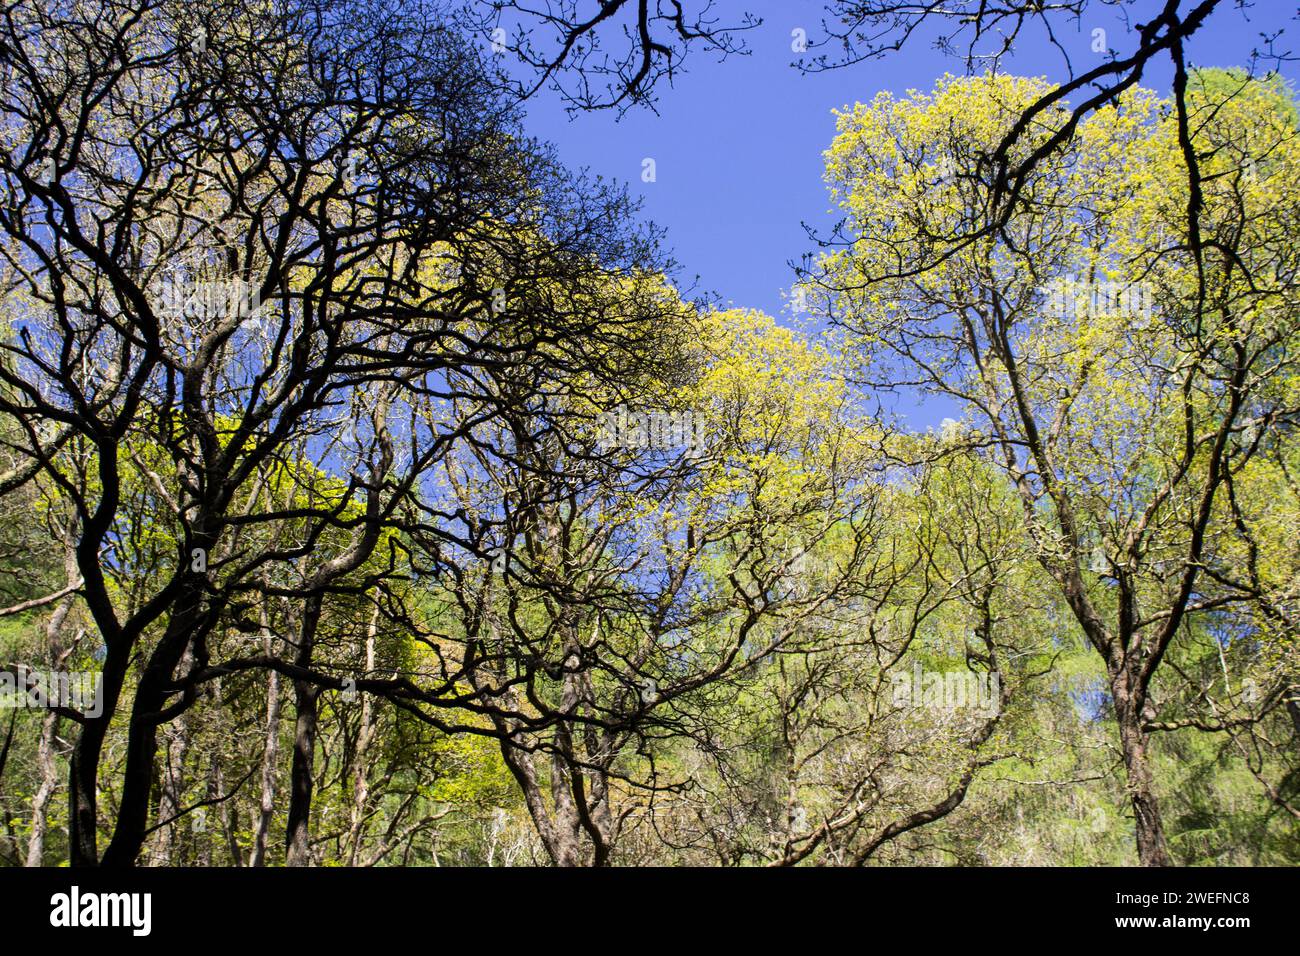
x,y
300,776
44,793
203,834
306,695
172,790
171,785
360,762
270,759
270,747
50,725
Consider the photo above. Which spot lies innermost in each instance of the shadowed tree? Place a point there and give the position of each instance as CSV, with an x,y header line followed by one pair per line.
x,y
236,234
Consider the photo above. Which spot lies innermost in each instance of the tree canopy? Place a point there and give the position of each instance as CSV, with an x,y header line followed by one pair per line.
x,y
402,507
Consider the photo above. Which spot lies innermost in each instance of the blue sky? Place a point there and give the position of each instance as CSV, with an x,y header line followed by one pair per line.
x,y
738,145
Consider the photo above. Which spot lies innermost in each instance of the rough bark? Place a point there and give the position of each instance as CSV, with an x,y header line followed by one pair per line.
x,y
49,780
1135,745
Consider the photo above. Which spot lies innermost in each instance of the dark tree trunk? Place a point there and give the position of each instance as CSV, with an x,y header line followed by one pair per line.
x,y
306,694
83,766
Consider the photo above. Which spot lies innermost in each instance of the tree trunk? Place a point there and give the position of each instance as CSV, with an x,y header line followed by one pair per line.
x,y
41,801
1135,741
203,831
270,757
186,627
298,837
366,731
83,765
142,736
50,725
172,789
270,746
306,694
